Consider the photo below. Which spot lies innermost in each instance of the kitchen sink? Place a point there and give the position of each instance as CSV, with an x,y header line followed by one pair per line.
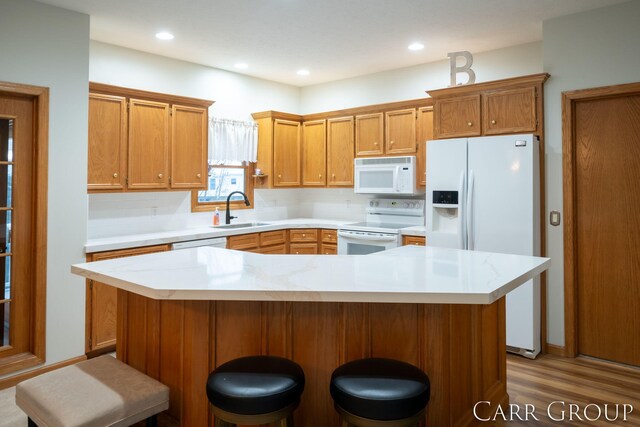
x,y
241,225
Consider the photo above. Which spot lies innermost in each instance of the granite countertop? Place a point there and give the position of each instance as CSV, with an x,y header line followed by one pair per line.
x,y
168,237
408,274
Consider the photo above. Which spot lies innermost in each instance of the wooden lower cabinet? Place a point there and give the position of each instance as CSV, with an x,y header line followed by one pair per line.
x,y
303,248
413,240
101,302
244,242
326,249
461,347
328,242
274,250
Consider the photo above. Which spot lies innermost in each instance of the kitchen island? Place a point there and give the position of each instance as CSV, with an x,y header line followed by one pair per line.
x,y
182,313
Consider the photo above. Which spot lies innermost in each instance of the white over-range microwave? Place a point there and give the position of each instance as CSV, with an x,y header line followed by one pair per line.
x,y
385,175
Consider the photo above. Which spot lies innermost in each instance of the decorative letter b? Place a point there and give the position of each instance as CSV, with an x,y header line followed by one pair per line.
x,y
466,68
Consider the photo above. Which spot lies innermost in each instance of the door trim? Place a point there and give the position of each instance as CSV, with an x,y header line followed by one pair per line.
x,y
569,101
40,96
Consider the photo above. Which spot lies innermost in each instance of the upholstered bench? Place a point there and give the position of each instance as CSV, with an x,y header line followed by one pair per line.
x,y
94,393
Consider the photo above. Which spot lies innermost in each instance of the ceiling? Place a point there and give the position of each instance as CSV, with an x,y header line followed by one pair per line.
x,y
333,39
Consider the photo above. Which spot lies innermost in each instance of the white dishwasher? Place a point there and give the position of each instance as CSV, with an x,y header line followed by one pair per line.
x,y
216,242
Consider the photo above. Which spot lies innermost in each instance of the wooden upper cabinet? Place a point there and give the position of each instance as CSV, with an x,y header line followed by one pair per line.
x,y
107,142
148,144
424,130
314,153
340,151
400,131
509,111
286,153
369,134
145,141
457,117
188,147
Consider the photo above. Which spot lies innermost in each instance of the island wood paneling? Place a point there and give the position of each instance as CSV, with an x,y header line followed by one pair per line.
x,y
461,347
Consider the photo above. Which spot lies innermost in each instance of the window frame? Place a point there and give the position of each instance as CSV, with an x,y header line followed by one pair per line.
x,y
249,168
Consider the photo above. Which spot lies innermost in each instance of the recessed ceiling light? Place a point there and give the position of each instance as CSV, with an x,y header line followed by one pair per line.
x,y
241,65
416,46
163,35
303,72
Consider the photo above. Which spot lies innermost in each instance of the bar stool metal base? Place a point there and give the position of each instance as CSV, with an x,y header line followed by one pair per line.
x,y
281,418
351,420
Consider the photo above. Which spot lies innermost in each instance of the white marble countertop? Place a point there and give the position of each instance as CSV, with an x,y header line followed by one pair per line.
x,y
167,237
408,274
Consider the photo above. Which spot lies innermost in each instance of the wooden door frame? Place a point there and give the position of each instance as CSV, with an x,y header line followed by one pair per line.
x,y
569,101
37,353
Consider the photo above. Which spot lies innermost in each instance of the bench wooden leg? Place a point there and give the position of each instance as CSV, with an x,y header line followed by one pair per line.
x,y
152,421
30,423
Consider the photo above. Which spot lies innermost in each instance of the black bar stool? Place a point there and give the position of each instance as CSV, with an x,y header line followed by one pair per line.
x,y
255,390
380,393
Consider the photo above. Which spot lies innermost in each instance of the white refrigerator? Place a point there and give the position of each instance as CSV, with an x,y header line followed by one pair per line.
x,y
484,194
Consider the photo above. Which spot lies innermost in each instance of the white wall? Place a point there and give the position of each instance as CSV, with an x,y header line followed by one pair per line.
x,y
413,82
590,49
47,46
236,96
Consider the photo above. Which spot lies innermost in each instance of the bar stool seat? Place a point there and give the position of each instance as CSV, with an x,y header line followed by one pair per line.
x,y
255,389
378,389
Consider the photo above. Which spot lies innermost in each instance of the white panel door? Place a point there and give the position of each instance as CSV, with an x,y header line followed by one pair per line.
x,y
503,216
446,171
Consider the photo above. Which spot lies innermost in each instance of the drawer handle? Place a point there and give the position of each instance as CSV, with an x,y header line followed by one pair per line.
x,y
493,122
297,253
469,124
160,176
115,175
304,235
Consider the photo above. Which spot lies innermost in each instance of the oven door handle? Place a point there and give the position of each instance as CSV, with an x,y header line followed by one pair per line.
x,y
367,238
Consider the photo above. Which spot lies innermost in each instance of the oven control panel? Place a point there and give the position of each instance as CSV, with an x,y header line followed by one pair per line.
x,y
396,206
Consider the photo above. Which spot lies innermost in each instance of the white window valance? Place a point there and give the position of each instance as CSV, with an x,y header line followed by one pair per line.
x,y
232,141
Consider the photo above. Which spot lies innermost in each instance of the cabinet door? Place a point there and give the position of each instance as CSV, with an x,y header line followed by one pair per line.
x,y
188,147
327,249
107,142
340,149
314,153
369,134
286,153
101,307
148,145
243,242
400,128
457,117
303,248
303,235
510,111
425,133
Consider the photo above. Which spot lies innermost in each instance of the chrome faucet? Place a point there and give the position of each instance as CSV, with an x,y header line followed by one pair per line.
x,y
228,217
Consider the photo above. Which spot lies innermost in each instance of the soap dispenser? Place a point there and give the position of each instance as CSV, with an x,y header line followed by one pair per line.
x,y
216,217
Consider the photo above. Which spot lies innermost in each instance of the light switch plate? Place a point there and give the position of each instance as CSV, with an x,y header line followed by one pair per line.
x,y
554,218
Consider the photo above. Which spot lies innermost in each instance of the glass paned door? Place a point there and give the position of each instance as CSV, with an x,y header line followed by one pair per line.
x,y
6,173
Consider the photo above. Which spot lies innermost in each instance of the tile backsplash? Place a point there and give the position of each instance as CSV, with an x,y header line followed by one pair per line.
x,y
117,214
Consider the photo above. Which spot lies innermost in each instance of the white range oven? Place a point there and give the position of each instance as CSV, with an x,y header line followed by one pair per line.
x,y
381,230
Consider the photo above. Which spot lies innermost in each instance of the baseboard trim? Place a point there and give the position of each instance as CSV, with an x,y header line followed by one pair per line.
x,y
11,381
556,350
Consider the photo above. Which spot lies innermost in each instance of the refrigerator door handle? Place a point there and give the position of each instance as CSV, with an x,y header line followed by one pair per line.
x,y
470,243
461,212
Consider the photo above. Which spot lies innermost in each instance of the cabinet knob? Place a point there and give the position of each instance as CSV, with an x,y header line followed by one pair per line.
x,y
160,176
333,175
297,253
304,235
320,175
392,142
493,122
198,175
115,175
279,176
375,143
469,124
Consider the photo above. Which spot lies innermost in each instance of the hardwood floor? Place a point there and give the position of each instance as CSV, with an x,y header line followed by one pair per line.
x,y
581,381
